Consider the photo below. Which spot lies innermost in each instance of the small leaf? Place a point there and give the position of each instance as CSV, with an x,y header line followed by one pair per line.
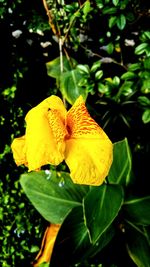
x,y
53,67
110,48
83,68
140,49
52,195
103,89
144,101
87,7
121,22
116,81
137,210
135,66
146,116
112,21
128,75
95,65
146,84
98,74
70,86
115,2
147,63
120,171
101,206
109,10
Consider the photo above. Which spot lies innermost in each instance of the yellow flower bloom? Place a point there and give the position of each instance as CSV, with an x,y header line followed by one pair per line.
x,y
53,135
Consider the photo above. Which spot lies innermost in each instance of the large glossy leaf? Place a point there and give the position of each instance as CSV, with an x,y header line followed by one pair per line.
x,y
101,206
52,195
69,86
120,171
138,245
73,244
137,210
54,68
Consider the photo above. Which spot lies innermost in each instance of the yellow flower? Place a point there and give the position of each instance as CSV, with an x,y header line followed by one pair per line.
x,y
47,245
53,135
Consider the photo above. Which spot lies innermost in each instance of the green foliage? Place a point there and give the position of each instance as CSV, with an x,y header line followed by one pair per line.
x,y
101,50
69,80
44,192
120,172
138,245
91,216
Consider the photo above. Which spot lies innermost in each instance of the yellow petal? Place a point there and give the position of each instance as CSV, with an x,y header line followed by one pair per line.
x,y
47,244
18,149
41,141
89,151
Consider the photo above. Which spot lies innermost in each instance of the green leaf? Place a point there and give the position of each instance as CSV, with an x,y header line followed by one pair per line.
x,y
54,69
101,206
137,210
137,246
144,101
69,86
134,66
146,116
96,65
110,48
87,7
116,81
98,74
121,22
112,21
125,89
102,88
147,63
120,171
140,49
73,243
84,69
115,2
128,75
52,195
109,10
146,85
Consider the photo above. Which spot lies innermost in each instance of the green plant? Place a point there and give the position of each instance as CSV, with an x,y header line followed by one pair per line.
x,y
92,217
101,50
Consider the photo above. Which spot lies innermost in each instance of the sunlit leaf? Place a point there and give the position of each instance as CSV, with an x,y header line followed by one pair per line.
x,y
54,68
135,66
128,75
115,2
109,10
121,21
146,116
69,86
112,21
120,171
101,206
98,74
86,7
140,49
52,195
